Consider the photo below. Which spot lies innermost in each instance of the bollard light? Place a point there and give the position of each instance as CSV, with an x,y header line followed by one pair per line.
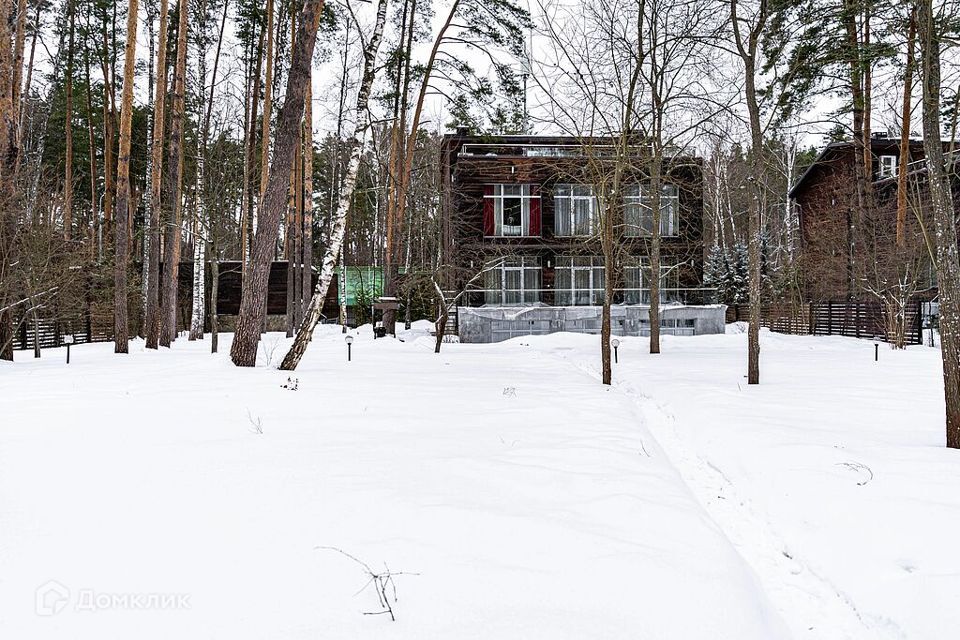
x,y
349,340
615,343
68,340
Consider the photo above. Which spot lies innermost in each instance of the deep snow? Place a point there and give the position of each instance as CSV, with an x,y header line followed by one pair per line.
x,y
521,498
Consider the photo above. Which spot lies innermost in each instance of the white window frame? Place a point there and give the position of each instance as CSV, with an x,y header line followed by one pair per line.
x,y
889,166
589,266
637,210
497,292
503,192
636,281
566,197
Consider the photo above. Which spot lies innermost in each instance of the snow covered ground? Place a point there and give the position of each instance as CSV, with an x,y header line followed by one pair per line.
x,y
169,494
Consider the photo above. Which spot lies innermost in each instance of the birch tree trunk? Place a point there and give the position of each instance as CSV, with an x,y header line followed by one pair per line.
x,y
92,164
201,228
306,260
68,131
145,262
152,319
339,223
122,253
253,308
944,216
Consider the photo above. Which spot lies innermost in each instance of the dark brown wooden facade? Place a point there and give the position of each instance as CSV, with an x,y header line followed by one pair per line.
x,y
473,165
832,225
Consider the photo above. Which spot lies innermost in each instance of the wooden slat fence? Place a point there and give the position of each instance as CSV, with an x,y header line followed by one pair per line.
x,y
851,319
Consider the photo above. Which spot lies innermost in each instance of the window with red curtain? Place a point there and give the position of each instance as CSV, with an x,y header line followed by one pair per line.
x,y
534,210
488,222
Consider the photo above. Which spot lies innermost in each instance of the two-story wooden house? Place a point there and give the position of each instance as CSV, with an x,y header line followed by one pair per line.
x,y
522,218
841,246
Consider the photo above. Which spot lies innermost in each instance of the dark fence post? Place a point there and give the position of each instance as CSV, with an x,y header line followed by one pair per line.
x,y
919,321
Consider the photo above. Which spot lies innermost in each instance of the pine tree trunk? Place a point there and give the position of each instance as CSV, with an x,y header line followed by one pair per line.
x,y
168,315
944,217
214,296
905,131
121,335
253,309
339,223
246,205
8,156
20,40
152,319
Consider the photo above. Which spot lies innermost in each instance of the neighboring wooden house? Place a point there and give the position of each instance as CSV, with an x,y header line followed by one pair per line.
x,y
840,244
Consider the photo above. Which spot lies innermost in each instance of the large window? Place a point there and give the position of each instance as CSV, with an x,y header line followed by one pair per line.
x,y
636,282
513,281
575,208
512,210
579,280
638,217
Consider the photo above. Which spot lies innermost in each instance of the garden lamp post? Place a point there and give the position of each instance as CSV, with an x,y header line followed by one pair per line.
x,y
349,340
68,340
615,343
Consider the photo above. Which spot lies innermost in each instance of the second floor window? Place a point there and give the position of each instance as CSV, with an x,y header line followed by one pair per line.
x,y
511,210
638,213
888,166
575,207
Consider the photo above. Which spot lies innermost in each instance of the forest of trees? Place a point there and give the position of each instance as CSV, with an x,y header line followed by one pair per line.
x,y
141,135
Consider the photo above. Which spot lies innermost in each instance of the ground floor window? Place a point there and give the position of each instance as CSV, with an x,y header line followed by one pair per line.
x,y
636,282
579,280
513,281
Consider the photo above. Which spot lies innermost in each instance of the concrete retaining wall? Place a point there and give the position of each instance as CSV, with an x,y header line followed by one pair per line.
x,y
493,324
